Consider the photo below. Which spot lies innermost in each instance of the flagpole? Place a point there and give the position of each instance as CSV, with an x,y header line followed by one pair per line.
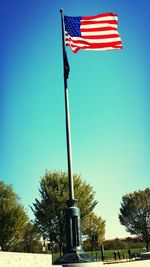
x,y
67,113
73,252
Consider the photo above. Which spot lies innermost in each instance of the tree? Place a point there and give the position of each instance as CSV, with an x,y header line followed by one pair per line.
x,y
94,229
115,244
49,210
13,218
135,214
31,241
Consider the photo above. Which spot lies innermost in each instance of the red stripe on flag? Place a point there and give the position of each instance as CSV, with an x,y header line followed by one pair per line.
x,y
98,22
112,45
81,41
94,45
101,36
99,16
98,29
103,45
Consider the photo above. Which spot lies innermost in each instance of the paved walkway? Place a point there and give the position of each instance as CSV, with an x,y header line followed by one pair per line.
x,y
137,263
10,259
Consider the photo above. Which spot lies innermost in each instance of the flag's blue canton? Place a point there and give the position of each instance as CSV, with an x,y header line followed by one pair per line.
x,y
72,26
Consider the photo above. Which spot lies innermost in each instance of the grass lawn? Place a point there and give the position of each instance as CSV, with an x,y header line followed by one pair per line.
x,y
108,254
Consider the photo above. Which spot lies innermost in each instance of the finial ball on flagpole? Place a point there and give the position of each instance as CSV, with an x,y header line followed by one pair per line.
x,y
61,10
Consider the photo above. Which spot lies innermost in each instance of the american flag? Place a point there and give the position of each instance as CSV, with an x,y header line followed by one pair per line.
x,y
92,32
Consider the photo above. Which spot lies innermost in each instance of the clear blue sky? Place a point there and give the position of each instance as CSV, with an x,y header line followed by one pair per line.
x,y
109,102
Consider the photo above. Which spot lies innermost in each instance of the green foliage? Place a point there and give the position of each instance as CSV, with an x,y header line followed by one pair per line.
x,y
31,240
115,244
13,218
127,243
135,243
94,229
49,210
135,213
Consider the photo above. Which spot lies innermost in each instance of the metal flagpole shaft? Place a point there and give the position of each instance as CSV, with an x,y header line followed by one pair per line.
x,y
67,113
73,252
